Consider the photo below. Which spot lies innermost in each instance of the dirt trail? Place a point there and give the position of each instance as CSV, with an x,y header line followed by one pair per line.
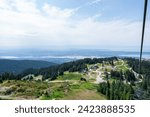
x,y
99,77
62,81
8,97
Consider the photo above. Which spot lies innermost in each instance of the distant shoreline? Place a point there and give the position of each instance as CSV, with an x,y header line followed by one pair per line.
x,y
69,55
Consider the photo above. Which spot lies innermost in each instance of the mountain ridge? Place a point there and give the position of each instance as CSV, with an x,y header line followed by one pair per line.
x,y
17,66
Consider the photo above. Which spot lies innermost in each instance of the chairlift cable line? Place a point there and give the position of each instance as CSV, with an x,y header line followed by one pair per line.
x,y
143,32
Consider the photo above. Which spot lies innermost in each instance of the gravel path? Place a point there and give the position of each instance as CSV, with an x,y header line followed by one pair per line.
x,y
99,77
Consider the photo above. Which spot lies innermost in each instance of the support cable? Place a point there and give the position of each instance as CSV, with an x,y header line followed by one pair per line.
x,y
143,32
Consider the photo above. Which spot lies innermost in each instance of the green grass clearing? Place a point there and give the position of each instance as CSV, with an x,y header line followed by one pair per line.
x,y
70,76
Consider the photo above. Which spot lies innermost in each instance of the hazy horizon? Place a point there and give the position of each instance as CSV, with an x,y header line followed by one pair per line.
x,y
72,54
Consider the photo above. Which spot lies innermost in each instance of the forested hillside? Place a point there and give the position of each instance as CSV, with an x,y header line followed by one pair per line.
x,y
142,90
105,78
76,66
17,66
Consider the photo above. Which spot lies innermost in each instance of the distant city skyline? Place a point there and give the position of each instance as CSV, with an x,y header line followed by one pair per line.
x,y
73,24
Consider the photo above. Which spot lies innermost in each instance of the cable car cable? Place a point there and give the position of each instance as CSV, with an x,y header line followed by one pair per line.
x,y
143,32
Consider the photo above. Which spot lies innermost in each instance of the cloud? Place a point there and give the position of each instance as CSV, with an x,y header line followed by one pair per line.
x,y
24,25
57,13
94,2
87,4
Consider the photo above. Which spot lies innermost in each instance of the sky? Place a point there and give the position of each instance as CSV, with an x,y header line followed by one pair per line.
x,y
73,24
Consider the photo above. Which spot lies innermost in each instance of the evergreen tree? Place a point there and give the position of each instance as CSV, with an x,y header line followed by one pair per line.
x,y
112,91
108,90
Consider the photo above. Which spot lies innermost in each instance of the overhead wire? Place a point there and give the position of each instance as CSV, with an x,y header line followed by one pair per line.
x,y
143,33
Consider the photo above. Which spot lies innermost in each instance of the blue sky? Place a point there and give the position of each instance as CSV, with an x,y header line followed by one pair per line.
x,y
66,24
110,9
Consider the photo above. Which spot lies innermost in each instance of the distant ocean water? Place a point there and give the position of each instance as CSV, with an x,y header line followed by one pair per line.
x,y
69,57
69,54
147,56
